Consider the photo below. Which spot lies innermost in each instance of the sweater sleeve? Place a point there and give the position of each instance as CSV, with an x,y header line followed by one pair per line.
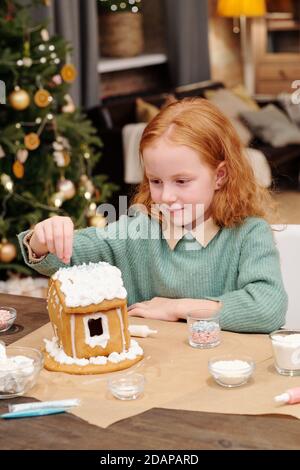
x,y
259,303
89,245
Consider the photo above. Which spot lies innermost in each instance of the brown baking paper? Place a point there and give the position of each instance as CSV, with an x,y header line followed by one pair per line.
x,y
176,376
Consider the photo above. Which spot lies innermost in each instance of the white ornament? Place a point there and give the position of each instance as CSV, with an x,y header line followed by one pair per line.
x,y
45,35
57,146
69,107
27,61
2,153
67,188
22,155
59,158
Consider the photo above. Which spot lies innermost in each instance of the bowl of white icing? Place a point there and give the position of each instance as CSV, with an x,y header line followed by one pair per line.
x,y
286,351
19,369
231,370
127,386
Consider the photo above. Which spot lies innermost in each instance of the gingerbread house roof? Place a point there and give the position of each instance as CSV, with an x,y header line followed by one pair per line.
x,y
90,287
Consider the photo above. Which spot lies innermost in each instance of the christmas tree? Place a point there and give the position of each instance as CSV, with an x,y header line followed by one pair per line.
x,y
47,146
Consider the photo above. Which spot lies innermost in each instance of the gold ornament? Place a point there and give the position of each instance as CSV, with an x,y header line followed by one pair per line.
x,y
98,221
68,73
18,169
42,98
31,141
66,188
19,99
8,251
67,157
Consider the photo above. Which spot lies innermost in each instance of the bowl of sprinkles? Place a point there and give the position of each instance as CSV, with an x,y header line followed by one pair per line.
x,y
204,331
7,318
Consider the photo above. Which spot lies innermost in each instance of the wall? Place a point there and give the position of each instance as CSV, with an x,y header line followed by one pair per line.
x,y
224,47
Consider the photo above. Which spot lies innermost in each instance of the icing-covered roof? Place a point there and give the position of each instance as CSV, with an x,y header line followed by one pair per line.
x,y
90,284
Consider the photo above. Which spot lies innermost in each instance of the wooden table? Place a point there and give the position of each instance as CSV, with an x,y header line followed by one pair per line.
x,y
154,429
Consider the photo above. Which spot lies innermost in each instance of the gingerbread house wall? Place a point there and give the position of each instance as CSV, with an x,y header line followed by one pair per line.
x,y
72,328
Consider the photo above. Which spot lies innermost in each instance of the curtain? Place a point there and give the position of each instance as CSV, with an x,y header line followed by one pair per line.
x,y
77,22
187,41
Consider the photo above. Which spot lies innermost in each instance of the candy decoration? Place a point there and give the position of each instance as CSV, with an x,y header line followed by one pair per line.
x,y
18,169
8,251
42,98
68,73
31,141
19,99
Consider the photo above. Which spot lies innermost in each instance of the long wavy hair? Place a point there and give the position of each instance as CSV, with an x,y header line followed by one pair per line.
x,y
198,124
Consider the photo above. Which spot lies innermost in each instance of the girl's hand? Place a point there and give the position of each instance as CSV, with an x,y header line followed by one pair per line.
x,y
161,308
158,308
54,235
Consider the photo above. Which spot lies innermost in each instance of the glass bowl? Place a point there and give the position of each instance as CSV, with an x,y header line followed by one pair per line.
x,y
127,387
286,351
7,318
204,331
19,374
231,370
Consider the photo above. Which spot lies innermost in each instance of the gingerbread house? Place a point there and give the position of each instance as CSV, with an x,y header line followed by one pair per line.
x,y
87,306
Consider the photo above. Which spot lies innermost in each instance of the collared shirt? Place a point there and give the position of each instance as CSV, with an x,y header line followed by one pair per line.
x,y
203,233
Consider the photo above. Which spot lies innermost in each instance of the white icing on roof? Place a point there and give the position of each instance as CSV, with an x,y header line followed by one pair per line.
x,y
90,284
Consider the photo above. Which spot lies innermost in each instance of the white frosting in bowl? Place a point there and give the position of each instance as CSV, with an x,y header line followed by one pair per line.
x,y
90,284
18,372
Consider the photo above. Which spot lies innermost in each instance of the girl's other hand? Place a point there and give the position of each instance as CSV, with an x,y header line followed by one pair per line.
x,y
158,308
161,308
54,235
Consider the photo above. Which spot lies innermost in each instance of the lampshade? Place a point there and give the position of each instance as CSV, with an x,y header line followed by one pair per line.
x,y
241,8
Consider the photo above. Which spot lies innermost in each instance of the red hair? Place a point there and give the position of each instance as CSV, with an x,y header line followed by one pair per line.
x,y
198,124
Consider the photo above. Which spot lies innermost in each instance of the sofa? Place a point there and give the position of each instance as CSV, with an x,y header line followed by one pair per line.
x,y
115,112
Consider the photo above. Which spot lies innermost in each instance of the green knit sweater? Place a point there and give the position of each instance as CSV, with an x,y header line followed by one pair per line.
x,y
239,266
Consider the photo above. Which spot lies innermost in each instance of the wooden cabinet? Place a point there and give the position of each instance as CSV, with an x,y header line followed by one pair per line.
x,y
275,42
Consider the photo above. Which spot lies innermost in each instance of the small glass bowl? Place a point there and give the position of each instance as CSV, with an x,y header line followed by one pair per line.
x,y
127,387
231,370
286,351
7,318
203,330
23,376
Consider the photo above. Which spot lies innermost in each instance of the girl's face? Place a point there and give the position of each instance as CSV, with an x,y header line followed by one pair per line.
x,y
180,183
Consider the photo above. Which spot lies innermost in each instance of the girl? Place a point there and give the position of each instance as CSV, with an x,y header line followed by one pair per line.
x,y
198,237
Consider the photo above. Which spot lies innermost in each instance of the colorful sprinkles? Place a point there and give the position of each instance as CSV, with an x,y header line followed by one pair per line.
x,y
205,332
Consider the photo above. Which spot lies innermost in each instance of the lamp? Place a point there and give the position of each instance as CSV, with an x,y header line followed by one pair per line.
x,y
242,9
